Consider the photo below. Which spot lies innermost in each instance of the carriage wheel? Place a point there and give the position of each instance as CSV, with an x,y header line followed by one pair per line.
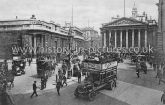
x,y
91,96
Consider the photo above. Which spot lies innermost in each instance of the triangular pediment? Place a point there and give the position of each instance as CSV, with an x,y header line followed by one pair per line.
x,y
125,22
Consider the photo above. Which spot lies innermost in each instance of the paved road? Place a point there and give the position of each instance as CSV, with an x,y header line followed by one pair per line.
x,y
67,98
134,94
126,73
23,83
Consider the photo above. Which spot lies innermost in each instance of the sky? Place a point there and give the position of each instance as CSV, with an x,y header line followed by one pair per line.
x,y
86,13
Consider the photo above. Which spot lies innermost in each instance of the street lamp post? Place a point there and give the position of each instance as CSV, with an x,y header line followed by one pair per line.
x,y
70,48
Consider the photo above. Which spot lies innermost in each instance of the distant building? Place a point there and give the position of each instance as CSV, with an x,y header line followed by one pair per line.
x,y
92,37
136,31
78,39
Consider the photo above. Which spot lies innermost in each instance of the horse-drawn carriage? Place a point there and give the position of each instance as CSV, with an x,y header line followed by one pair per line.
x,y
100,75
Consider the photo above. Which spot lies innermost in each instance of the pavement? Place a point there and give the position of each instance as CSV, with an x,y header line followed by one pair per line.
x,y
23,83
134,94
130,89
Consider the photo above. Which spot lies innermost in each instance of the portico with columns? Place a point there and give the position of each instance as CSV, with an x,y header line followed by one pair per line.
x,y
128,32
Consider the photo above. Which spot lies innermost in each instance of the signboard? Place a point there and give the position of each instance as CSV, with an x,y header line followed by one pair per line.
x,y
94,66
109,65
100,66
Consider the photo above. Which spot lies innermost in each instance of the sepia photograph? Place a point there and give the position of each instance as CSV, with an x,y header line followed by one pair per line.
x,y
82,52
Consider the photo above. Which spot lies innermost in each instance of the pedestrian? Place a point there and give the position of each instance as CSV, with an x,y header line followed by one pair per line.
x,y
75,69
60,77
163,97
155,69
159,73
64,80
5,66
45,81
64,67
42,83
34,89
29,61
58,86
79,77
79,64
138,69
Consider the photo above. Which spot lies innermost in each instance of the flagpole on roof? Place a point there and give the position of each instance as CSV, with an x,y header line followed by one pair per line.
x,y
124,8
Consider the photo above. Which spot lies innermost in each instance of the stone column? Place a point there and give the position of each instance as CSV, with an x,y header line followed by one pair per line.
x,y
121,34
133,36
104,40
110,38
115,39
126,38
145,38
35,43
42,41
139,38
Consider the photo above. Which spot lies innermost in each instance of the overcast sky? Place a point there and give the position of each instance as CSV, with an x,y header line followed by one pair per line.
x,y
59,11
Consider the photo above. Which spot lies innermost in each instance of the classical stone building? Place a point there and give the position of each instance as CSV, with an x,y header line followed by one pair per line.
x,y
136,31
32,33
161,27
159,58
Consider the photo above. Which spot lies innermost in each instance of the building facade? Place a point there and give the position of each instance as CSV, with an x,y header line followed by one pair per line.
x,y
78,38
92,38
136,31
32,33
161,26
159,58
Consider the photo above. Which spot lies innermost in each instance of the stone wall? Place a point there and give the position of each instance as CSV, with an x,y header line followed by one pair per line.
x,y
7,39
